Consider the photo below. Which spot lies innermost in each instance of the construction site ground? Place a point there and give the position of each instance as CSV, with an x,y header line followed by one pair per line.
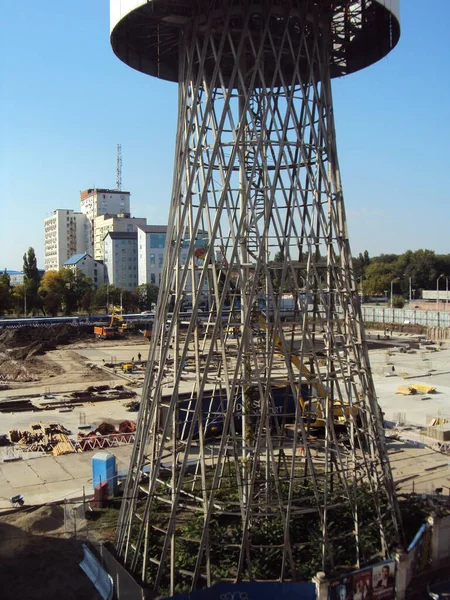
x,y
412,461
75,366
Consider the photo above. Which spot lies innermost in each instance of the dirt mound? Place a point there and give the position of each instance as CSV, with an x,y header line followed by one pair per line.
x,y
21,347
51,518
44,519
48,337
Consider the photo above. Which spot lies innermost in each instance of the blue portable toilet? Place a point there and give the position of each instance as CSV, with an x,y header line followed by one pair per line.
x,y
104,468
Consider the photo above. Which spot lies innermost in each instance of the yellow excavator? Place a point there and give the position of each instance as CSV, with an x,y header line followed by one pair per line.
x,y
117,320
315,408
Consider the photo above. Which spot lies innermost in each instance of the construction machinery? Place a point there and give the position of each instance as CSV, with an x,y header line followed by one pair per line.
x,y
117,320
313,395
105,333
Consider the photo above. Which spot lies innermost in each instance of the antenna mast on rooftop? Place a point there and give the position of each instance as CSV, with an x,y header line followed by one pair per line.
x,y
119,167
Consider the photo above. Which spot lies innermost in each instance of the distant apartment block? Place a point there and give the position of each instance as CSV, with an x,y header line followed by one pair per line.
x,y
99,201
121,259
151,240
64,235
84,263
16,277
103,224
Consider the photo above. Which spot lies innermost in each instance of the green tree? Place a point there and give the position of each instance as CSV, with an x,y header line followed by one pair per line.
x,y
398,301
106,296
6,300
361,263
130,301
147,295
378,278
64,290
87,300
52,303
31,280
17,298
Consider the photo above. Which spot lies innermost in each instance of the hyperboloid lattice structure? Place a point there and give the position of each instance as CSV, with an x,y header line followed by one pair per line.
x,y
260,452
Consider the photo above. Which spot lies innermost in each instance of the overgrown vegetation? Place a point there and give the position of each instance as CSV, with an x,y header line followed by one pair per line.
x,y
267,536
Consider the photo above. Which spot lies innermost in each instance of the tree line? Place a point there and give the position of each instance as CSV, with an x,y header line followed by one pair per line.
x,y
67,292
411,271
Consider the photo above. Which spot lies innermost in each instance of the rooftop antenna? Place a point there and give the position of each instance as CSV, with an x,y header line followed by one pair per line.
x,y
119,167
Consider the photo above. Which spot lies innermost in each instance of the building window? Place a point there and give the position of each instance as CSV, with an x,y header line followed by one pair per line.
x,y
152,260
152,278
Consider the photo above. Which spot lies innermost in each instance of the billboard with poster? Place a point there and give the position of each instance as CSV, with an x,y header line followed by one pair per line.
x,y
383,580
373,583
341,589
362,585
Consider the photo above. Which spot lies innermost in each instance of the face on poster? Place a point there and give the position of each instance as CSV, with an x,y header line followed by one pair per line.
x,y
383,581
362,585
341,589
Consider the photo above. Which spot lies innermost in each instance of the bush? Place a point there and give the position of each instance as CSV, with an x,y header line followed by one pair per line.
x,y
398,302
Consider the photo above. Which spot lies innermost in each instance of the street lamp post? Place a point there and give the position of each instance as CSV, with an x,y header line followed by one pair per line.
x,y
360,279
392,291
410,290
437,291
446,294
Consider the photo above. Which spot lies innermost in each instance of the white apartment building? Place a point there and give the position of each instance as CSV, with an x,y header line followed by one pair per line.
x,y
106,223
151,240
121,259
64,235
84,263
99,201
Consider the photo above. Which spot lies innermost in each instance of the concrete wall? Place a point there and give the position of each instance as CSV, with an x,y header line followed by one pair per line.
x,y
125,586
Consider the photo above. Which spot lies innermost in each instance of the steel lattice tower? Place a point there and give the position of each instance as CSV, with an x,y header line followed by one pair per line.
x,y
259,435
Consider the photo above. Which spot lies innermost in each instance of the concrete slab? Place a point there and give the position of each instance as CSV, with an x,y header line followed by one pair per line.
x,y
115,353
51,478
77,465
20,475
49,471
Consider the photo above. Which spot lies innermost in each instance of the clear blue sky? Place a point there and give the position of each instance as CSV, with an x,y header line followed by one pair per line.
x,y
66,101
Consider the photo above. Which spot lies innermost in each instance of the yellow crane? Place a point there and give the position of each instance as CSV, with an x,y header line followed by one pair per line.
x,y
316,407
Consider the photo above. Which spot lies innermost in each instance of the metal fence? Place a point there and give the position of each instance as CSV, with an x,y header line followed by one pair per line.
x,y
426,318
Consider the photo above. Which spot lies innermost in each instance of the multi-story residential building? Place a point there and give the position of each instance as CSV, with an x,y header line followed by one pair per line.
x,y
151,240
16,277
84,263
121,259
105,223
99,201
64,235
